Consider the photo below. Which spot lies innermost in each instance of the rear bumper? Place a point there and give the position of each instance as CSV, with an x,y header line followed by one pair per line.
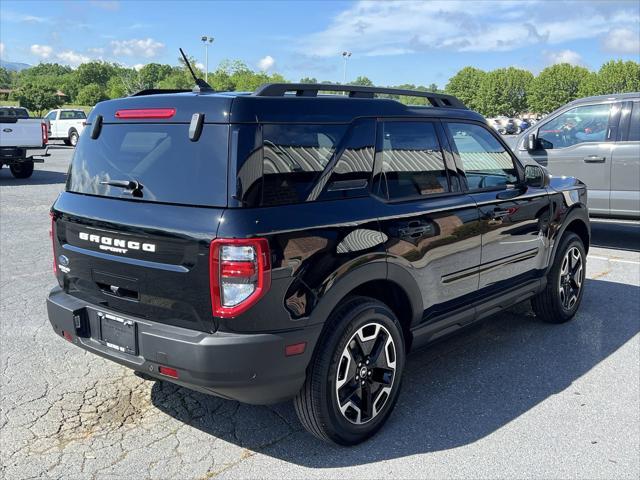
x,y
250,368
12,155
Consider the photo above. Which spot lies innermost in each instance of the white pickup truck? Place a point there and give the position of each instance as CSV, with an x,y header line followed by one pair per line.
x,y
22,140
66,124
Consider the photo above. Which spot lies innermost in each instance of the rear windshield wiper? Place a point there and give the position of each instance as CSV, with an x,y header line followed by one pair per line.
x,y
133,185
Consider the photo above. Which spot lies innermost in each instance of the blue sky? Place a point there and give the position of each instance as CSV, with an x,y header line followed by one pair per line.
x,y
391,42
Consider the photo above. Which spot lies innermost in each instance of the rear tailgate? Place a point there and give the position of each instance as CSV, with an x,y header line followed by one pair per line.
x,y
144,251
26,133
147,260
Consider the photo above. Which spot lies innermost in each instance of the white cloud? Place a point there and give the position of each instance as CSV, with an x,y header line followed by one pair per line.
x,y
10,16
266,63
147,47
1,49
138,66
564,56
200,66
622,40
394,28
72,58
42,51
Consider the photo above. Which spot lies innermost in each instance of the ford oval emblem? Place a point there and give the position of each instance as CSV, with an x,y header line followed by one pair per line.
x,y
7,130
64,260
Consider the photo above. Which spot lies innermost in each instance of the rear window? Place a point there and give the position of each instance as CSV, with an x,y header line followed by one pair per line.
x,y
74,115
9,112
160,157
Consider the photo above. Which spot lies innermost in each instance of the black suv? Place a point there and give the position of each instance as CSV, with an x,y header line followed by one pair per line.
x,y
290,244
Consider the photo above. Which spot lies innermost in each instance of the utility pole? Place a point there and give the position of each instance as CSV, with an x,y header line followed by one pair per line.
x,y
207,41
346,56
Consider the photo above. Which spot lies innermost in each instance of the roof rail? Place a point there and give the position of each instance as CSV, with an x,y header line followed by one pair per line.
x,y
355,91
157,91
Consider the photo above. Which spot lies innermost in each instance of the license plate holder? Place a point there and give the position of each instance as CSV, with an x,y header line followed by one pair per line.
x,y
118,333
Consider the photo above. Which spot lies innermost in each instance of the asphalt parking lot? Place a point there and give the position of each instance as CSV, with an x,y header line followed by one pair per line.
x,y
512,397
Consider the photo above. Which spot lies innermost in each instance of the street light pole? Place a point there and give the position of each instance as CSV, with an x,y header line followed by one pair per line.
x,y
346,56
207,41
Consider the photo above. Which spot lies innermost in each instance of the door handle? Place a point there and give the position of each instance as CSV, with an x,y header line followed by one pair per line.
x,y
594,159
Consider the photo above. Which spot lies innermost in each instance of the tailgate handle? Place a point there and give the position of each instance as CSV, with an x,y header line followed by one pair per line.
x,y
116,291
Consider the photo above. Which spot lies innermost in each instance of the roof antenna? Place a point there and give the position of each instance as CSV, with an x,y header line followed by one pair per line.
x,y
201,85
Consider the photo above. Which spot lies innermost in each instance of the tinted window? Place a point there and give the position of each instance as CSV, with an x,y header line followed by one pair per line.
x,y
74,115
51,116
485,161
161,157
412,161
578,125
294,156
352,172
634,124
11,112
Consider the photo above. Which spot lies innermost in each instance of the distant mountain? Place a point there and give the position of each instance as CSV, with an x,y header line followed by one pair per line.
x,y
13,66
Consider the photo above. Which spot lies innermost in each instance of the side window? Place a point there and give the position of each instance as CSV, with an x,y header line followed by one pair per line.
x,y
578,125
51,116
485,161
634,123
352,172
412,163
294,156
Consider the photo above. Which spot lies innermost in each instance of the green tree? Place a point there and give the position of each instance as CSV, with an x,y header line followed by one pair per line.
x,y
308,80
555,86
362,81
465,85
6,81
152,74
504,92
97,73
46,70
613,77
37,97
91,94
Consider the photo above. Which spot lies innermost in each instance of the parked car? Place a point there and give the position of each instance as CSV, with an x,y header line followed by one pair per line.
x,y
523,124
22,141
66,124
285,244
596,139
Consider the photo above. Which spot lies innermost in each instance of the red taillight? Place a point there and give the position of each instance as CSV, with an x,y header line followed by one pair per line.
x,y
295,349
146,113
45,133
240,274
67,336
168,372
53,242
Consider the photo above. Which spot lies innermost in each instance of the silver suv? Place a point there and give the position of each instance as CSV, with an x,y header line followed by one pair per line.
x,y
596,139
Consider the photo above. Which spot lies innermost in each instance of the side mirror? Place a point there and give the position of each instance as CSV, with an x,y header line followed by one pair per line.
x,y
536,176
532,142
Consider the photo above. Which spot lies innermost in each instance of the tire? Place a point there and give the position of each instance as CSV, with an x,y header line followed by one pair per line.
x,y
22,170
559,301
73,138
363,326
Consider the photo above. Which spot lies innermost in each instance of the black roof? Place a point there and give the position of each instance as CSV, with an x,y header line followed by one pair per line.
x,y
289,103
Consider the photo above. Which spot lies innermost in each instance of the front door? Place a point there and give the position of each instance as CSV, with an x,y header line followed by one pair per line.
x,y
577,143
513,217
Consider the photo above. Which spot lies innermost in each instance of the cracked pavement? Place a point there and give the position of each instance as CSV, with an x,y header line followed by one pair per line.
x,y
510,398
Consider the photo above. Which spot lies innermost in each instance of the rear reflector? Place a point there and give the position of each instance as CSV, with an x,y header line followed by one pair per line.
x,y
53,242
146,113
168,372
45,133
67,336
295,349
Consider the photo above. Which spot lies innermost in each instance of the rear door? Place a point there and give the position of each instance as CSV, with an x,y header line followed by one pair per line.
x,y
143,251
430,226
578,143
625,165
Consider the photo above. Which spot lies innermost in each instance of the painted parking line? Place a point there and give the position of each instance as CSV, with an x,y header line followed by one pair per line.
x,y
617,260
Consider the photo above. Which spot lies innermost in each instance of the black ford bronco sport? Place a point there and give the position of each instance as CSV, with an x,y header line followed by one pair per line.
x,y
290,244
